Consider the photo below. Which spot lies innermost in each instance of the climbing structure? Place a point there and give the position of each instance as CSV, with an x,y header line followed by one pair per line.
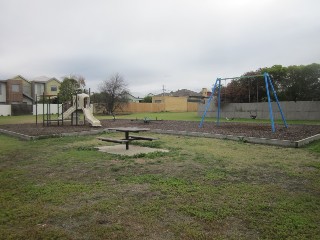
x,y
81,101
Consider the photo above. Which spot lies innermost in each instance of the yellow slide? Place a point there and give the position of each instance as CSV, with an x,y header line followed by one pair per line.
x,y
67,114
90,118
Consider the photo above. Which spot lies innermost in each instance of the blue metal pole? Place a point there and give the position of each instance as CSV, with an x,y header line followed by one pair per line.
x,y
208,104
269,102
276,97
219,102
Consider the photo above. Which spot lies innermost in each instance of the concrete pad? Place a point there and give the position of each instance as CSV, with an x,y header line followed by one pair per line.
x,y
133,150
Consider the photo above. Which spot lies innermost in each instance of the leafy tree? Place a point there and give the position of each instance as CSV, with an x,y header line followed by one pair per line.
x,y
240,90
297,83
97,98
147,99
114,93
69,87
292,83
312,78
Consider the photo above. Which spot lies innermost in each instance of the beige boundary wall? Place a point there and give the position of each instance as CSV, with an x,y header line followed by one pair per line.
x,y
300,110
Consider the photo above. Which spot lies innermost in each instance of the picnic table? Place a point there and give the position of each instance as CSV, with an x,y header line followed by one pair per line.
x,y
127,137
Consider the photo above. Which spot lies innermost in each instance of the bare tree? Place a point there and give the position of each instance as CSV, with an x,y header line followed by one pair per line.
x,y
81,81
114,93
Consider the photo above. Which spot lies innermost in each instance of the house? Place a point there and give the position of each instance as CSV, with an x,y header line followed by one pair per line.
x,y
45,85
183,100
132,98
3,92
19,93
205,93
189,95
52,86
18,90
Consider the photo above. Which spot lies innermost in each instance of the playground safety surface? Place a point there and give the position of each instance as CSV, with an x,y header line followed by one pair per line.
x,y
133,150
255,130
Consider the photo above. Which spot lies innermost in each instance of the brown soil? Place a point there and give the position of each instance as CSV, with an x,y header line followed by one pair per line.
x,y
293,132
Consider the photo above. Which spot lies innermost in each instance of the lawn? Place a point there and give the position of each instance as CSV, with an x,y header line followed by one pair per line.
x,y
62,188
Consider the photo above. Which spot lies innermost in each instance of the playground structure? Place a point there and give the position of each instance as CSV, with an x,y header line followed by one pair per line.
x,y
268,83
47,111
81,101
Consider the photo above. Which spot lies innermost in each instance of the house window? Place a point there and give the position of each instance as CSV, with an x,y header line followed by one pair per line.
x,y
54,88
157,101
0,89
39,89
15,88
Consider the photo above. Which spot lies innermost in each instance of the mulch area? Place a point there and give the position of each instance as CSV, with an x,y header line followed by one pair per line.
x,y
293,132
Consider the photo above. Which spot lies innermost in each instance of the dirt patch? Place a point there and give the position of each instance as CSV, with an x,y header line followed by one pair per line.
x,y
292,133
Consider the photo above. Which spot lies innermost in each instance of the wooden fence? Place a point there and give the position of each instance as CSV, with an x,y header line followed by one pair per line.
x,y
153,107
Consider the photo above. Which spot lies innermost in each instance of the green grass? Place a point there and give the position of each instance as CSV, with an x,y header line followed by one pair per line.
x,y
18,119
62,188
315,146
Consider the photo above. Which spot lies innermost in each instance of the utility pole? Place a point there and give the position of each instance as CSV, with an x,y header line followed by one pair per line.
x,y
163,90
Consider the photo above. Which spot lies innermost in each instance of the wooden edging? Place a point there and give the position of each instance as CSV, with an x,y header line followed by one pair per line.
x,y
307,140
265,141
14,134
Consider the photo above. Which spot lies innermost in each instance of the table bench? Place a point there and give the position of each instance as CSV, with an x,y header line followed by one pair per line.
x,y
113,140
127,138
142,138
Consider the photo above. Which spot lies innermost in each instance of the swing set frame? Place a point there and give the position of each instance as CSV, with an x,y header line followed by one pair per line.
x,y
268,83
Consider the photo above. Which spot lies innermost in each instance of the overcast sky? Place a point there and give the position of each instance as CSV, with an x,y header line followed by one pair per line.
x,y
151,43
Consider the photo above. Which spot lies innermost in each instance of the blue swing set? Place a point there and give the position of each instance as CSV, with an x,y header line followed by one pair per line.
x,y
268,82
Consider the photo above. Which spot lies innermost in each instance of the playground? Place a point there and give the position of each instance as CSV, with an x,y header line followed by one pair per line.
x,y
295,132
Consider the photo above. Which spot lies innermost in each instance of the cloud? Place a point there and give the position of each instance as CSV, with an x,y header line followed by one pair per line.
x,y
179,44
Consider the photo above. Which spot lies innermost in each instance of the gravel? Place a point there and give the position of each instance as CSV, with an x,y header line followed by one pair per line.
x,y
292,133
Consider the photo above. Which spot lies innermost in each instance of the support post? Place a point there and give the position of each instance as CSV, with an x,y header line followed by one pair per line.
x,y
127,138
77,109
58,110
49,112
62,105
43,109
47,116
269,102
36,109
219,102
208,104
276,97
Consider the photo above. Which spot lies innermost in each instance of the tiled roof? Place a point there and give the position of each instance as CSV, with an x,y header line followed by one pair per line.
x,y
41,79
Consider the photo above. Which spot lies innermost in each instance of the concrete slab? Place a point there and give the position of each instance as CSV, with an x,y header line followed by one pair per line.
x,y
133,150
